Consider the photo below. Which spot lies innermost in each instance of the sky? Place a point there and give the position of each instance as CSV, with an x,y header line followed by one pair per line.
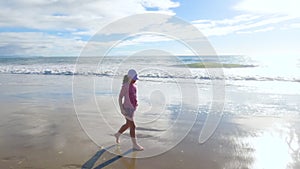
x,y
254,28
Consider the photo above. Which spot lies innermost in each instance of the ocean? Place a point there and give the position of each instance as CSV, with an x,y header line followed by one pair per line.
x,y
259,70
268,87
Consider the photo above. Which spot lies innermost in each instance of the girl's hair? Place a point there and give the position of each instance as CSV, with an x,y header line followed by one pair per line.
x,y
125,79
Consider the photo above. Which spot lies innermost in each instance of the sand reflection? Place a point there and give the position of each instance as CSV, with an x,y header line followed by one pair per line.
x,y
275,148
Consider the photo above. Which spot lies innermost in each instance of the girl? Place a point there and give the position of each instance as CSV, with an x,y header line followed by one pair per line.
x,y
128,107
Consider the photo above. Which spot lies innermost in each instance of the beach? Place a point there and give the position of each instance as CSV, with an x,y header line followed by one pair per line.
x,y
42,128
207,85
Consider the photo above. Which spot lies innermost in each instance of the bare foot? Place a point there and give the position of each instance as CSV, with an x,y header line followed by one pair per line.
x,y
137,147
117,135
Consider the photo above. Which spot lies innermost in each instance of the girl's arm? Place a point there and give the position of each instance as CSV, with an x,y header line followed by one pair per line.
x,y
121,95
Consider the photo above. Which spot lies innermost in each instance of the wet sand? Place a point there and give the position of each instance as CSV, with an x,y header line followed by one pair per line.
x,y
238,143
44,132
31,139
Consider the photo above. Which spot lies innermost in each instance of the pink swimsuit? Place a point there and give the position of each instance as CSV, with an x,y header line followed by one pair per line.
x,y
129,91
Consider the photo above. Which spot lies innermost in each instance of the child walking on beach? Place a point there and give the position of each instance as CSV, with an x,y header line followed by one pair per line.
x,y
128,107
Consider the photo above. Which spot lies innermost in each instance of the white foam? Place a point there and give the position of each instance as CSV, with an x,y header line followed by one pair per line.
x,y
242,74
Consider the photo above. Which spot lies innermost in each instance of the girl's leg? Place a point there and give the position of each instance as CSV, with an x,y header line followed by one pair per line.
x,y
136,146
132,128
122,129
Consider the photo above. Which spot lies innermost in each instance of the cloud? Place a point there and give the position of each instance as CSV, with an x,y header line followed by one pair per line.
x,y
164,5
281,7
51,25
38,44
259,16
142,39
257,30
225,26
73,15
250,23
150,31
294,25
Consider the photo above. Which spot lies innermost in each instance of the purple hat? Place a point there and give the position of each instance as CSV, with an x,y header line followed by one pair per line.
x,y
132,74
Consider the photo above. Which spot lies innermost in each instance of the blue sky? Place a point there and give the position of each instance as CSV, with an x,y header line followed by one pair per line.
x,y
206,9
255,28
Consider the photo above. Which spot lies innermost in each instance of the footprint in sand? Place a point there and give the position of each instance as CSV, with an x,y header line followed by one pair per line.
x,y
13,158
140,135
71,166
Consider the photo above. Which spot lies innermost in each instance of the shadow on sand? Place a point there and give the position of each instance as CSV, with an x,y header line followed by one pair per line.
x,y
91,162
